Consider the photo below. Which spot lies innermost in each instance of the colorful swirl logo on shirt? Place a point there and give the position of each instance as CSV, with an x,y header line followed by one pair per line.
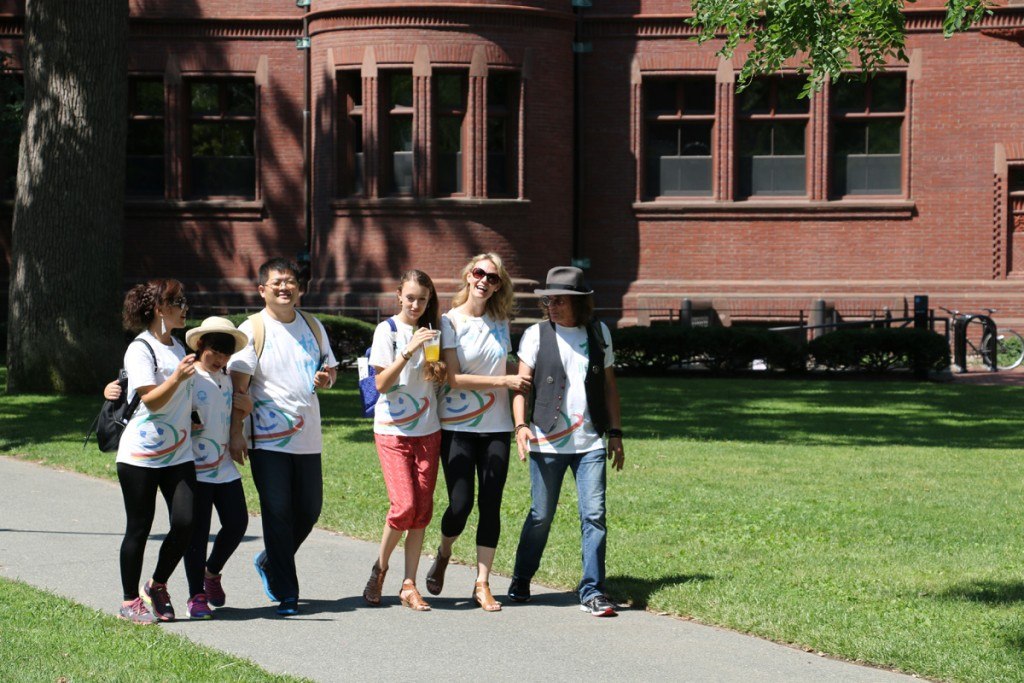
x,y
208,455
273,425
466,407
563,436
159,439
405,409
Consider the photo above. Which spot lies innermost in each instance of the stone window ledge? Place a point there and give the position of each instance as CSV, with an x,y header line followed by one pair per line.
x,y
852,209
200,209
409,206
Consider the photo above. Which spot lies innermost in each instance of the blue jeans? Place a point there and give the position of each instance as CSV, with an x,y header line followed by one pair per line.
x,y
546,474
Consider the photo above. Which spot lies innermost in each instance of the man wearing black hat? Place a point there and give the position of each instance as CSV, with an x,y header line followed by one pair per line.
x,y
575,404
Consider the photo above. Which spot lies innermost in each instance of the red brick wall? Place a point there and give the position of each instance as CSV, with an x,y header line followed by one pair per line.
x,y
949,238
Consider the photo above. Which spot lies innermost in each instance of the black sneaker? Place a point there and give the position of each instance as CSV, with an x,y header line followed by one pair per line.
x,y
158,601
519,590
289,607
599,606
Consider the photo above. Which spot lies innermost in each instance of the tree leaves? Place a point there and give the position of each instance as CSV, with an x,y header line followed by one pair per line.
x,y
827,37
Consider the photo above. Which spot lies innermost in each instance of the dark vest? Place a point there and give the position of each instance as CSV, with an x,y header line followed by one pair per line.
x,y
549,380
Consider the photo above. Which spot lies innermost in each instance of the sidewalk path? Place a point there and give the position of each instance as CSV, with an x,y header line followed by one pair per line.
x,y
61,532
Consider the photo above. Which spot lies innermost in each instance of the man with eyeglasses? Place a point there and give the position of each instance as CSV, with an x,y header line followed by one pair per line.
x,y
569,359
287,359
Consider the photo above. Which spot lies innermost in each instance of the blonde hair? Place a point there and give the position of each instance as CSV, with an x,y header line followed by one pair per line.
x,y
502,304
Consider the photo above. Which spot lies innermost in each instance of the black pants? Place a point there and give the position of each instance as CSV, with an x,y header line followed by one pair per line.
x,y
466,456
229,499
139,486
291,488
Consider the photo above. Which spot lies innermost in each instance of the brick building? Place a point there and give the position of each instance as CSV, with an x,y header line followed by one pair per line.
x,y
546,132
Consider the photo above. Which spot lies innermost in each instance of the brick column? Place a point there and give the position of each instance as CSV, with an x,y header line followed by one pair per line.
x,y
723,186
371,125
475,181
174,129
422,103
818,171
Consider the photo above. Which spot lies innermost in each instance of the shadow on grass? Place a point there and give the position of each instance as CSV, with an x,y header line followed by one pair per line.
x,y
797,411
639,591
825,412
994,593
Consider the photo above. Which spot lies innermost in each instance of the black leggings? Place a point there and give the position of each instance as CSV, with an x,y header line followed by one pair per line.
x,y
485,455
229,499
138,487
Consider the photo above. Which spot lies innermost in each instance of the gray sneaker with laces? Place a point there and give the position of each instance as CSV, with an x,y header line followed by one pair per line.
x,y
599,606
136,612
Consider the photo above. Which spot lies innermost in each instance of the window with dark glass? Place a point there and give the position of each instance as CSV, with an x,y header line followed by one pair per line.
x,y
679,117
449,125
771,137
222,138
144,167
868,135
350,133
397,133
502,101
1016,180
12,107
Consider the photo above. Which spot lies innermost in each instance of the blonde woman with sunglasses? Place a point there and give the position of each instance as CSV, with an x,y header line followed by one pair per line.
x,y
475,413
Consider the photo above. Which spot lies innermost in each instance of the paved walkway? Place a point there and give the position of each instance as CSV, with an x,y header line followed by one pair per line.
x,y
61,531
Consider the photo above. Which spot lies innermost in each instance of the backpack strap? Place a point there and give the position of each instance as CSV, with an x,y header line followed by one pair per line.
x,y
259,334
394,336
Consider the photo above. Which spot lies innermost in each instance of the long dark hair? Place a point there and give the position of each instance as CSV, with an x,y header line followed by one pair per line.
x,y
432,372
141,302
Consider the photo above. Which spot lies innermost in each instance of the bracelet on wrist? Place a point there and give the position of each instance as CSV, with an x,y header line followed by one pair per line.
x,y
614,433
521,425
406,354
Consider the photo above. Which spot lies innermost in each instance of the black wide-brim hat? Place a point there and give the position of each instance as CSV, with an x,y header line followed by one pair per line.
x,y
564,280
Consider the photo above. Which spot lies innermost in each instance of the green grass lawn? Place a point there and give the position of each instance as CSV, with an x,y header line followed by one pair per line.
x,y
46,638
875,521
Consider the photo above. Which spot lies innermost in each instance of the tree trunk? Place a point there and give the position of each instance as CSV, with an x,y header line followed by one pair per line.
x,y
66,284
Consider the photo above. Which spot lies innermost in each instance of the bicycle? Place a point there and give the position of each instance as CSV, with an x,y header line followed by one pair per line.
x,y
978,341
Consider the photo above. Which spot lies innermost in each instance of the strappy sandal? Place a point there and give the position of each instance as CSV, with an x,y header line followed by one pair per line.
x,y
484,598
375,585
411,597
435,575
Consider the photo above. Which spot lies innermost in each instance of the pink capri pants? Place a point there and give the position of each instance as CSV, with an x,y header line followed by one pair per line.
x,y
409,464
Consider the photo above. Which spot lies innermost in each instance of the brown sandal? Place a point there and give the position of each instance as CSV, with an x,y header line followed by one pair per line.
x,y
375,585
411,597
484,598
435,575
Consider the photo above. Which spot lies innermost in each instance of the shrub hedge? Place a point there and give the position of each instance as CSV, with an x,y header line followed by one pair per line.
x,y
655,349
881,350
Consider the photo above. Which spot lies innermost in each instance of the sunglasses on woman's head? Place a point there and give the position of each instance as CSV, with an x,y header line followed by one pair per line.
x,y
181,302
481,274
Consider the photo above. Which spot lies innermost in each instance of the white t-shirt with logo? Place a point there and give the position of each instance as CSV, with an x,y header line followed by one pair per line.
x,y
211,398
409,407
286,411
573,432
482,345
160,438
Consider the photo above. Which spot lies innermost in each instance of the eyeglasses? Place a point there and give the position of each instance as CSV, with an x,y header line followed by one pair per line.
x,y
287,282
481,274
181,302
548,301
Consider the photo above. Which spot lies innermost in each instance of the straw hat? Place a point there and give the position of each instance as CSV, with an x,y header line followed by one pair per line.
x,y
218,325
564,280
